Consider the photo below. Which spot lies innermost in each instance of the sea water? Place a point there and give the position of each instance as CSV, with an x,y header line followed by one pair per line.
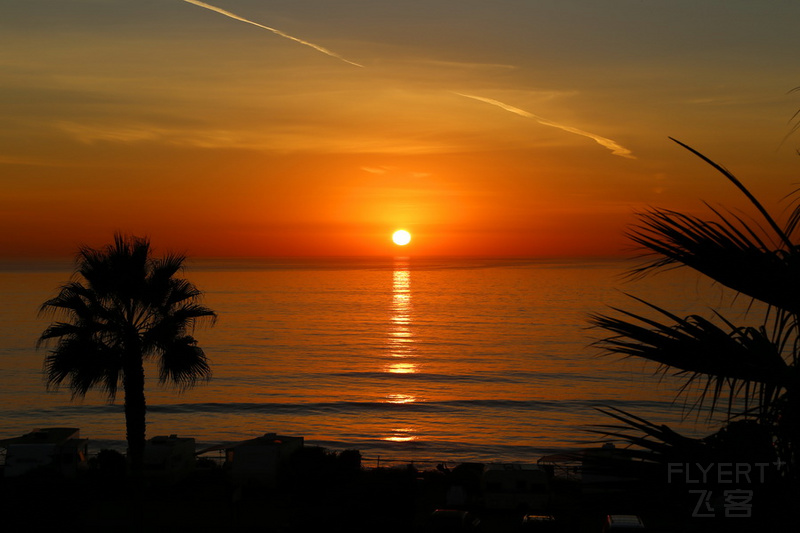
x,y
404,359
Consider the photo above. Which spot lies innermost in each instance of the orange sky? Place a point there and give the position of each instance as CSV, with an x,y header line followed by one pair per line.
x,y
530,128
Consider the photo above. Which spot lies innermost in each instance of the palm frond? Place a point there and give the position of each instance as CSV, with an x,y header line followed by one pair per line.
x,y
736,258
729,250
742,440
657,438
73,299
183,363
176,323
118,271
733,179
181,290
85,364
166,267
58,330
795,118
794,217
161,282
736,361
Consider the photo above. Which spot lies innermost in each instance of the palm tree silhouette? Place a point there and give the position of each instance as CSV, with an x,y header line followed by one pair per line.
x,y
123,307
743,371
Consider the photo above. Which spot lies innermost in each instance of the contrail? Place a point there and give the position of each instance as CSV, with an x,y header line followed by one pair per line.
x,y
273,30
615,148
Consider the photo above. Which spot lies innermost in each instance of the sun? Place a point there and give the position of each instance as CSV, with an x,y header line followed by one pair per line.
x,y
401,237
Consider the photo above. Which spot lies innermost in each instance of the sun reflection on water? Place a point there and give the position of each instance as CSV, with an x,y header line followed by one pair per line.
x,y
401,435
401,368
400,398
400,345
400,338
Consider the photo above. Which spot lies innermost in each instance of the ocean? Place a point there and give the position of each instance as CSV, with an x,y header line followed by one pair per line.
x,y
404,359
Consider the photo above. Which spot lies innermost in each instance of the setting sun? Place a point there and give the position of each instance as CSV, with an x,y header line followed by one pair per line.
x,y
401,237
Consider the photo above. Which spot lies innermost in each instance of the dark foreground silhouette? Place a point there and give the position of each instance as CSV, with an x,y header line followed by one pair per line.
x,y
324,491
122,307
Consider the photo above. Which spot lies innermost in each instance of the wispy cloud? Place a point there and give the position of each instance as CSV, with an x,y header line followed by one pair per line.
x,y
615,147
375,170
273,30
465,65
399,173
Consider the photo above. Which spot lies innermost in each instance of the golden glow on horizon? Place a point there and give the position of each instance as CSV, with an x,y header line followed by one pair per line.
x,y
483,149
401,237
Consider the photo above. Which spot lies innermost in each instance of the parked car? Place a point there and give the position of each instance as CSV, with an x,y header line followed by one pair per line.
x,y
623,522
539,522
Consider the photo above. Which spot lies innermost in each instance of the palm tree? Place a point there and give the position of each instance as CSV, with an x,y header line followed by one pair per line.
x,y
123,307
743,371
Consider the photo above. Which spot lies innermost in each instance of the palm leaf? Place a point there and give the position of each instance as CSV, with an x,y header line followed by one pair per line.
x,y
728,250
85,364
740,362
733,179
738,259
656,438
183,363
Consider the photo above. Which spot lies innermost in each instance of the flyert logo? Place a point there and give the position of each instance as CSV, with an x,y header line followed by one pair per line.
x,y
718,473
734,502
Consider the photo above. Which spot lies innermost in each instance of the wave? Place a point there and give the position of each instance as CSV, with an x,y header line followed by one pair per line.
x,y
423,376
439,406
366,407
516,377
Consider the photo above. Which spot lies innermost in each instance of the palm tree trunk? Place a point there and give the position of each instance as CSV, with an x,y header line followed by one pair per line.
x,y
135,410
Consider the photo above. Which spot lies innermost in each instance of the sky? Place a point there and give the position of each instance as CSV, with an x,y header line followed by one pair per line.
x,y
254,128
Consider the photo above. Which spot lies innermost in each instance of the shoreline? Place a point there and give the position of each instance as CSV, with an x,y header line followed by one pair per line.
x,y
378,457
277,484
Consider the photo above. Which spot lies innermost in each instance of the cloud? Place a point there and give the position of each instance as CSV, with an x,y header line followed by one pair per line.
x,y
256,138
374,170
616,148
465,65
381,171
273,30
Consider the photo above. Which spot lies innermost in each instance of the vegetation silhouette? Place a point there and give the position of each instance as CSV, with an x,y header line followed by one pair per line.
x,y
747,373
122,307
